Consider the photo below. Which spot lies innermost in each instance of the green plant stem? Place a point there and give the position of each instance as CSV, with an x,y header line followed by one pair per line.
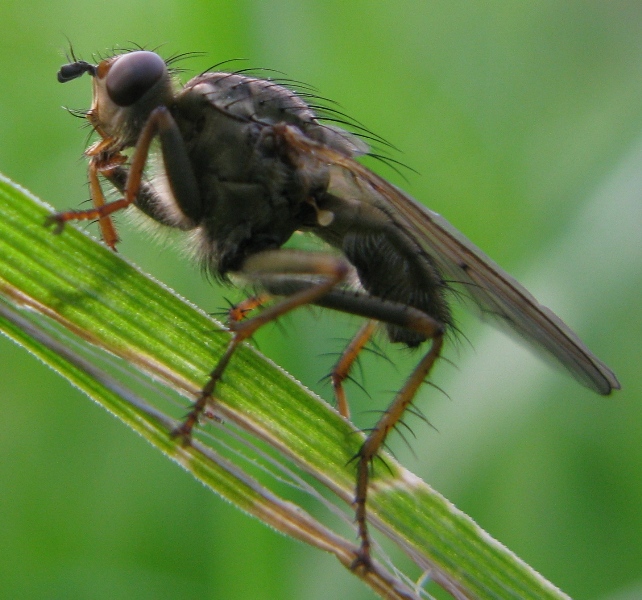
x,y
104,300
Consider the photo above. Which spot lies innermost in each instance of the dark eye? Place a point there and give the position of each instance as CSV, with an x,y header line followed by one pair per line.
x,y
132,75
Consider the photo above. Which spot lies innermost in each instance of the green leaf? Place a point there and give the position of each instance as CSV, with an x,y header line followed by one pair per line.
x,y
102,299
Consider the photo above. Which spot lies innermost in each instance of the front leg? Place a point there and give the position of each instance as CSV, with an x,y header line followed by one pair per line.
x,y
177,166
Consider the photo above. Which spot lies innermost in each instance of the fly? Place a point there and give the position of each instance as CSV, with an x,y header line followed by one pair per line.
x,y
246,163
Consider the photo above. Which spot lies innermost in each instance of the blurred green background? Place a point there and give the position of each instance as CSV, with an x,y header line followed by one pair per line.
x,y
524,120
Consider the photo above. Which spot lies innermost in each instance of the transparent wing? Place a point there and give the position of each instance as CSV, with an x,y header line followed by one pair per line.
x,y
495,292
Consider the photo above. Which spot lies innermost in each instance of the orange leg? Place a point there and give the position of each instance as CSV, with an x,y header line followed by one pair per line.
x,y
239,311
275,261
285,263
160,120
343,366
378,435
107,228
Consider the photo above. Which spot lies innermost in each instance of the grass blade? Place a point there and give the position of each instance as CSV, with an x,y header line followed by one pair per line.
x,y
104,300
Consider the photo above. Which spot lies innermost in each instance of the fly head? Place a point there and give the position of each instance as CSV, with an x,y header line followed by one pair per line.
x,y
126,89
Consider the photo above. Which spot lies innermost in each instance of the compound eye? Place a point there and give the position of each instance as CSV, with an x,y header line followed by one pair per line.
x,y
132,75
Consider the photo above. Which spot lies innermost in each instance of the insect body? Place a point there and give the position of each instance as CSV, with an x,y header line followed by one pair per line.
x,y
246,164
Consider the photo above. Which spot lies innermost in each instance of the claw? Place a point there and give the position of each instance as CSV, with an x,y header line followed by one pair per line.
x,y
362,563
184,432
55,221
